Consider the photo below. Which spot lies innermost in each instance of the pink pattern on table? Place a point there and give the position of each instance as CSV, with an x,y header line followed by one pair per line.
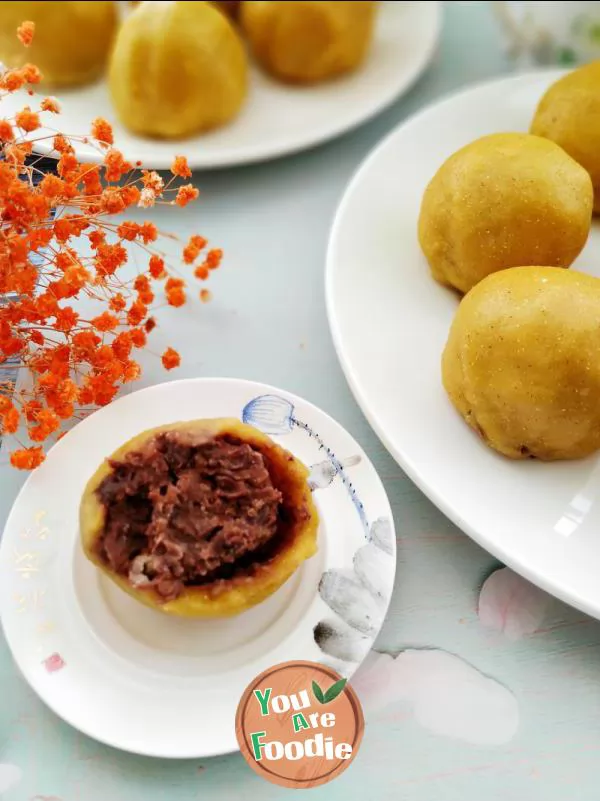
x,y
512,605
10,775
446,695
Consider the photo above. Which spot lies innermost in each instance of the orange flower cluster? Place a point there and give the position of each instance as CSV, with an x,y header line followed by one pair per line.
x,y
58,244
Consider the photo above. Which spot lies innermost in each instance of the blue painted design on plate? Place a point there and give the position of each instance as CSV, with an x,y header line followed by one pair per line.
x,y
358,597
274,415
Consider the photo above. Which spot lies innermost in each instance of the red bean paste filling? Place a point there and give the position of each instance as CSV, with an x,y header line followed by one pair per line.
x,y
181,512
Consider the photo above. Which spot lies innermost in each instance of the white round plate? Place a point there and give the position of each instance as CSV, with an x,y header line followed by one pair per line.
x,y
276,119
390,321
142,681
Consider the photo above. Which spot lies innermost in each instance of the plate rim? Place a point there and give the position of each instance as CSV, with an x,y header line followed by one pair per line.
x,y
261,154
62,444
346,362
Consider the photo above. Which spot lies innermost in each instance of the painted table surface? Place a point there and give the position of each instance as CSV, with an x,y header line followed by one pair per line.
x,y
267,322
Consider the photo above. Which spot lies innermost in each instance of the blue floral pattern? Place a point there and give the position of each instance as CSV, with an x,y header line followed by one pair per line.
x,y
358,598
275,416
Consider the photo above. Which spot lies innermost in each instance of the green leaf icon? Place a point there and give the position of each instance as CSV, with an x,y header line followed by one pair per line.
x,y
335,689
318,692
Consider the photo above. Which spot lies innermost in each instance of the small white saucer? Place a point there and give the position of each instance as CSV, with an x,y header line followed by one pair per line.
x,y
138,680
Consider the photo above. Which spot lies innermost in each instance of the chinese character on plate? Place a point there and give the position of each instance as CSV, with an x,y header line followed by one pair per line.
x,y
53,663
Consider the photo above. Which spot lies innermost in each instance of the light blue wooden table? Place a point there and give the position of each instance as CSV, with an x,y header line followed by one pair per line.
x,y
268,323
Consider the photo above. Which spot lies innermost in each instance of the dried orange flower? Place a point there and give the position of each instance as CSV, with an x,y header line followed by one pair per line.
x,y
27,119
50,104
192,250
27,458
186,194
171,359
6,131
59,243
25,32
105,322
180,167
115,165
102,131
9,421
31,73
156,267
147,199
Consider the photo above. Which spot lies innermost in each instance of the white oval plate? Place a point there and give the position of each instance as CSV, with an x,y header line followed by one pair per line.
x,y
276,119
144,682
390,321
